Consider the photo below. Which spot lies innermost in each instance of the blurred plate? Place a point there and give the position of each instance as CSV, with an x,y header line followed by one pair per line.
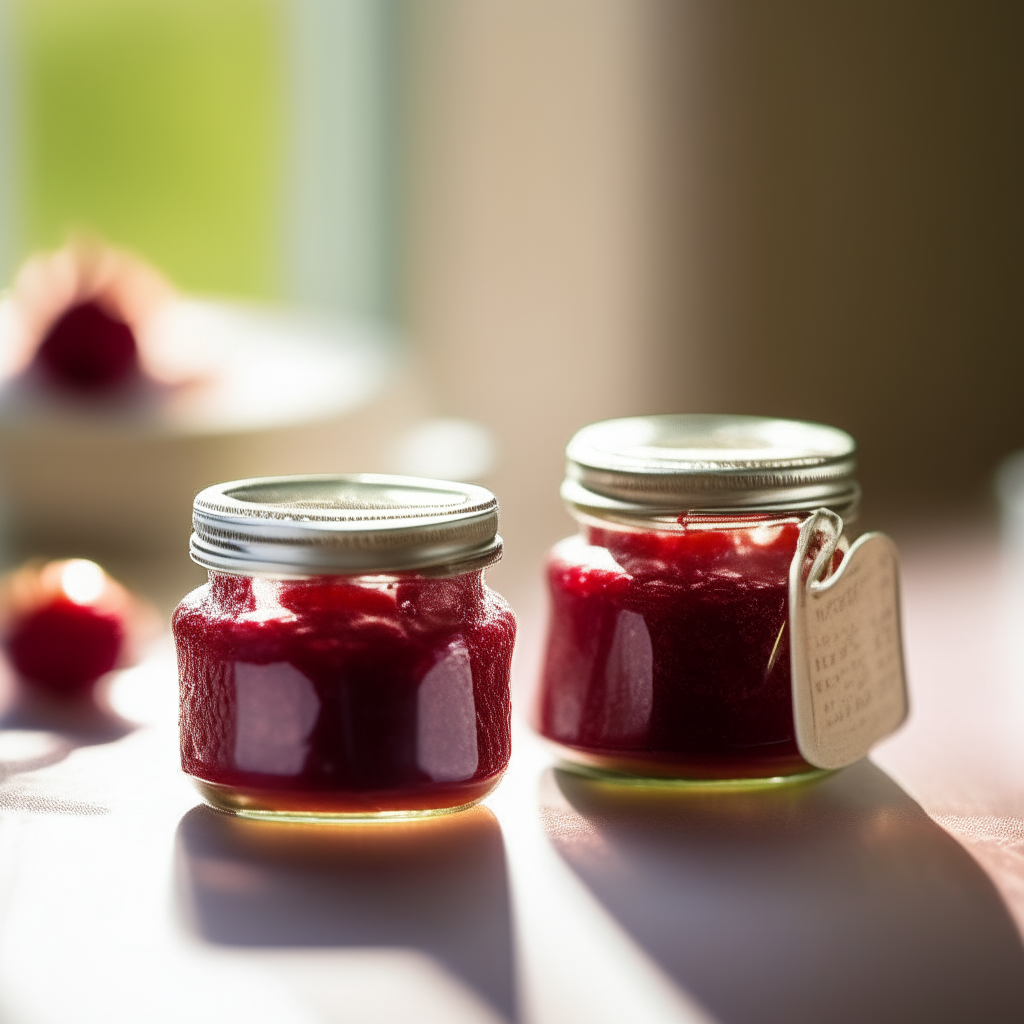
x,y
272,391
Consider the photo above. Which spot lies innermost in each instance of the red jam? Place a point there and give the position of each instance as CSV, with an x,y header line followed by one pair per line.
x,y
338,695
668,653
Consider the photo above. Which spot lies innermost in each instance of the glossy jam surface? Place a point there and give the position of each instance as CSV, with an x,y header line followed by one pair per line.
x,y
668,652
344,696
88,350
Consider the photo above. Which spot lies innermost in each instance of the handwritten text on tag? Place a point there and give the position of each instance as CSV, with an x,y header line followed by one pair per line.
x,y
849,687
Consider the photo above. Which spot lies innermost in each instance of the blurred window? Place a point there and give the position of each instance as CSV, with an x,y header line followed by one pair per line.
x,y
241,145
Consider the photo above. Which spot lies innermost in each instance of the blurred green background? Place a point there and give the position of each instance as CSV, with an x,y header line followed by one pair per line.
x,y
240,145
160,124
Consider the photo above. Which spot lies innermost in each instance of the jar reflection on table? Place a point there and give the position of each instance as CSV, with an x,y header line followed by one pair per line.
x,y
367,694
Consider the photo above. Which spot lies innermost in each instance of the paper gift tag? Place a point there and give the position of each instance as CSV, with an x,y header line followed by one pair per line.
x,y
849,686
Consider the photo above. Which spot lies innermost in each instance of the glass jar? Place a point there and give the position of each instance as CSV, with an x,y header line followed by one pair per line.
x,y
346,659
668,649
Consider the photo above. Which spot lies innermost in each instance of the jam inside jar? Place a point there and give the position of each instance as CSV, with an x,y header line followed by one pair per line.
x,y
668,651
361,694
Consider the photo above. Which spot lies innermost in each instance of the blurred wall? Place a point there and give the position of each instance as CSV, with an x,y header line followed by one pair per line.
x,y
791,208
863,220
531,262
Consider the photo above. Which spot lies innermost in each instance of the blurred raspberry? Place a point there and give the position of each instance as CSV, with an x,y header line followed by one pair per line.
x,y
88,350
66,625
82,316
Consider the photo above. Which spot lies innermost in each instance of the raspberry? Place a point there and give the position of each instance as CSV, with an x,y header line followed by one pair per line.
x,y
87,350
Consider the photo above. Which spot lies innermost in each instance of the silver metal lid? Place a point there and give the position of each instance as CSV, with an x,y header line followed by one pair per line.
x,y
360,523
665,465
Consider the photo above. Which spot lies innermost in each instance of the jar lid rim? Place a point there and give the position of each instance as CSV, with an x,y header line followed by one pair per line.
x,y
696,461
345,523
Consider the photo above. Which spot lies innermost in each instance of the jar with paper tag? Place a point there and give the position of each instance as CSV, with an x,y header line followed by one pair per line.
x,y
346,659
711,623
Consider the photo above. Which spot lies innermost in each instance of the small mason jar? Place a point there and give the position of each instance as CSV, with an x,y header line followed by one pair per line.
x,y
346,659
668,650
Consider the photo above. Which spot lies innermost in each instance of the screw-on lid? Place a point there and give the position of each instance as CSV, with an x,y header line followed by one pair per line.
x,y
358,523
665,465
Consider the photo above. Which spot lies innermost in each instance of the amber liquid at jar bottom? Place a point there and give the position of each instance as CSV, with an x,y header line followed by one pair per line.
x,y
668,652
344,697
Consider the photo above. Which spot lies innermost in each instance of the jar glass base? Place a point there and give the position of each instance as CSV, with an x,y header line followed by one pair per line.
x,y
666,782
271,807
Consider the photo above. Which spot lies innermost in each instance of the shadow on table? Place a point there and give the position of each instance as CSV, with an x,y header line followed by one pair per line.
x,y
83,721
80,723
838,900
37,734
439,886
